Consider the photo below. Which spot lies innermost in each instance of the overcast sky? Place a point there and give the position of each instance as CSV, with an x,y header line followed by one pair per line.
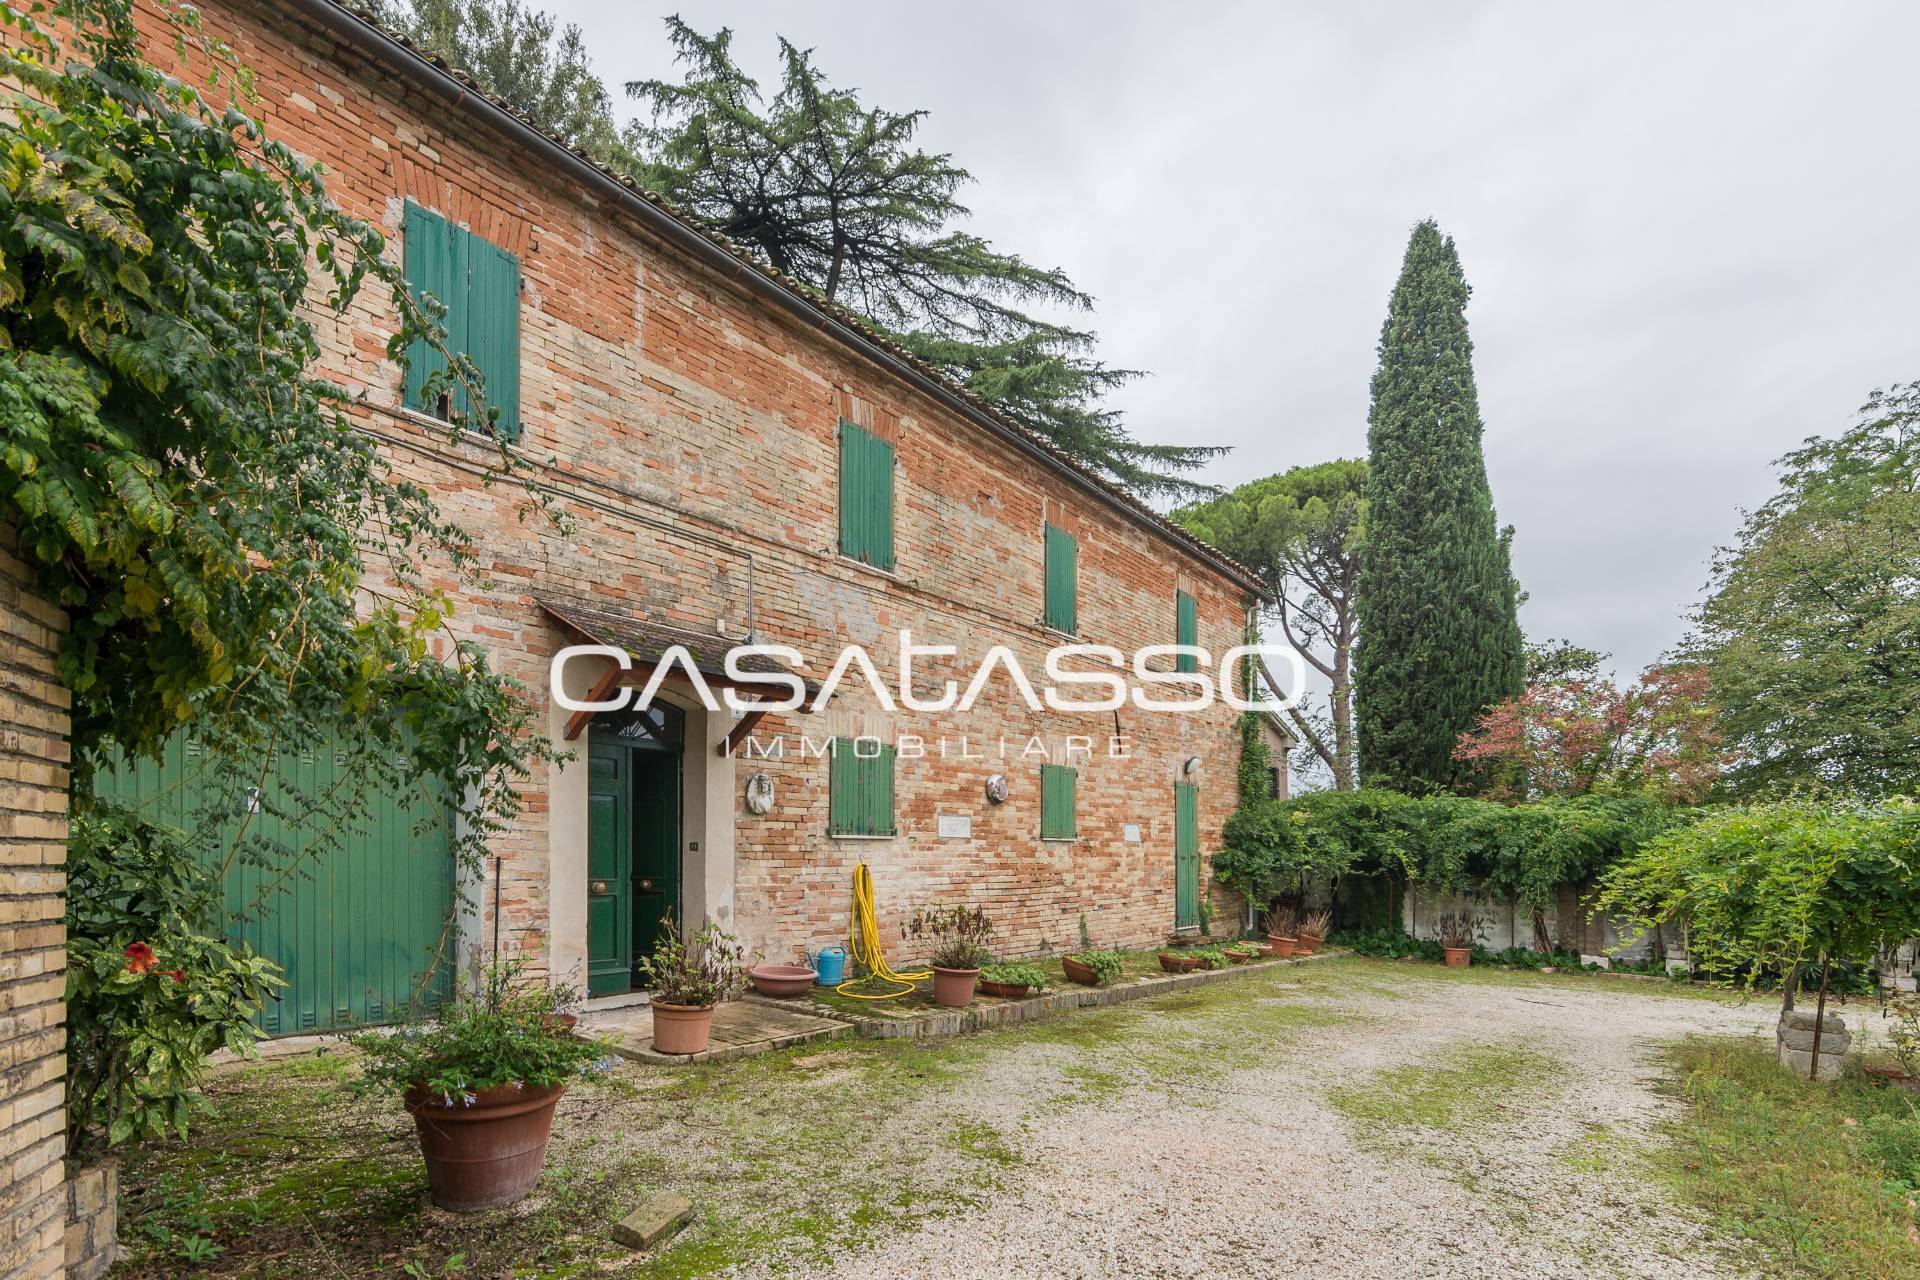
x,y
1690,230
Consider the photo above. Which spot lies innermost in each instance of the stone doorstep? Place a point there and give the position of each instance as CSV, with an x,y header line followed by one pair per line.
x,y
743,1029
1006,1013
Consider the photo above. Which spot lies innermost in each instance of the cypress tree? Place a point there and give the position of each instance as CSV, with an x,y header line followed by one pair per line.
x,y
1439,630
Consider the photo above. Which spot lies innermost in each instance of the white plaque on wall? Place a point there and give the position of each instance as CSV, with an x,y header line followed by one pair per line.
x,y
1131,833
955,826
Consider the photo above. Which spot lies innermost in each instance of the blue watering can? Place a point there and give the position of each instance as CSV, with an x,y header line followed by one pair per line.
x,y
830,963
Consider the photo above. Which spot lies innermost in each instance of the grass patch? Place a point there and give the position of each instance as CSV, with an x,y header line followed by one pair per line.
x,y
1823,1178
290,1178
1469,1088
1604,1151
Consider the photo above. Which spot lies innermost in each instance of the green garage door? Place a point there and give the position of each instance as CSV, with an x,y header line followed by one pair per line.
x,y
362,929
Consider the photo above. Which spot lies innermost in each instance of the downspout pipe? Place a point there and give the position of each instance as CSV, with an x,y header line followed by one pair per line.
x,y
349,27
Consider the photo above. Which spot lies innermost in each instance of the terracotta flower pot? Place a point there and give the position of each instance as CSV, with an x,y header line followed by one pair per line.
x,y
1282,947
782,981
681,1028
1459,957
953,988
1172,963
1237,957
1004,990
487,1154
1080,973
1306,943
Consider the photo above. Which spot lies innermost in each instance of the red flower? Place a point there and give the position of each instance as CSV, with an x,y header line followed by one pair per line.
x,y
178,975
140,957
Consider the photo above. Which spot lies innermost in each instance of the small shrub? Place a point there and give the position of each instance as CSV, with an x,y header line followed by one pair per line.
x,y
507,1032
149,993
701,971
1106,965
1389,944
959,935
1317,923
1015,974
1457,929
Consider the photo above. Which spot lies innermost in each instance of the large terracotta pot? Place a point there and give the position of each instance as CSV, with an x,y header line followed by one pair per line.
x,y
681,1028
953,988
1004,990
1458,957
1282,947
488,1154
1306,943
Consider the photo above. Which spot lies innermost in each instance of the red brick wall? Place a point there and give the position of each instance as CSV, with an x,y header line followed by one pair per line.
x,y
689,431
33,833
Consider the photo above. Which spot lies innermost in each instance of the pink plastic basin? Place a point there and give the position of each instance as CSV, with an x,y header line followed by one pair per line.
x,y
781,980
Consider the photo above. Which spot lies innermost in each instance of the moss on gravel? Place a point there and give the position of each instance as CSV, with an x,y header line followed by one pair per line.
x,y
1464,1088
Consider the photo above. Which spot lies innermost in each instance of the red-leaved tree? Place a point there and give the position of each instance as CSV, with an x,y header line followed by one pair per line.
x,y
1574,732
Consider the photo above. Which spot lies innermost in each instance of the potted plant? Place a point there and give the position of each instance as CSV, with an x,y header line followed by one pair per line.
x,y
1203,910
1457,932
1089,966
688,979
1210,958
1178,961
959,937
1280,931
1093,968
1011,981
481,1080
1313,932
1243,952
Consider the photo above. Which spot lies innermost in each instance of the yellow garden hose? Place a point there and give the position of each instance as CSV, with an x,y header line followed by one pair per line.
x,y
863,944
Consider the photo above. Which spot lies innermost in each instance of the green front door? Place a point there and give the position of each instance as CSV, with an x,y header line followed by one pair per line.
x,y
1186,855
609,867
633,840
656,845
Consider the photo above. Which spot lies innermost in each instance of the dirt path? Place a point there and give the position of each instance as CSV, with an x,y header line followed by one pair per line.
x,y
1424,1127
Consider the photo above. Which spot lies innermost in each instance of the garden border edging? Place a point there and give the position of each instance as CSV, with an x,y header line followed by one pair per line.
x,y
1007,1013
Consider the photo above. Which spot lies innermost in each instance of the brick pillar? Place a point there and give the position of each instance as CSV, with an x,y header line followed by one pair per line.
x,y
33,833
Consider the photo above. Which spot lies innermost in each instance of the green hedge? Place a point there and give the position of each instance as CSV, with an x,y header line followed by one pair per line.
x,y
1441,844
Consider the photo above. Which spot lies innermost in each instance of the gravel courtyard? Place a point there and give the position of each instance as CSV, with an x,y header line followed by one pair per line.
x,y
1347,1118
1449,1127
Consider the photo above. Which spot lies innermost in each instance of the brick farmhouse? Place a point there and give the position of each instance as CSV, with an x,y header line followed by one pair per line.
x,y
740,461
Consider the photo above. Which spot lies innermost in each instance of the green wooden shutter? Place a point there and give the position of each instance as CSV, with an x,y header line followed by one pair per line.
x,y
879,771
859,791
1059,787
493,328
866,496
1062,604
1186,855
427,243
841,804
1186,629
480,284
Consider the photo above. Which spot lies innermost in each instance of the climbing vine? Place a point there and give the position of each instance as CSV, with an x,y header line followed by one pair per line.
x,y
235,556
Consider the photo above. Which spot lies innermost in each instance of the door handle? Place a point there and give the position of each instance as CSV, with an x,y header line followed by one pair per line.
x,y
646,886
599,886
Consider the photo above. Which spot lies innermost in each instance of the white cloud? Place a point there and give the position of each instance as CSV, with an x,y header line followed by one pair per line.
x,y
1689,230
